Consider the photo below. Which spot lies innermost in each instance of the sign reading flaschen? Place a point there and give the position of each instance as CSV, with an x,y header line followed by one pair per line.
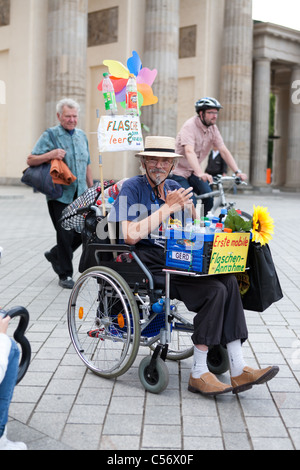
x,y
229,253
119,133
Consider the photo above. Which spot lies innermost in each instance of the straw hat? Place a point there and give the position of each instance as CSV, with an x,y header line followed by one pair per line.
x,y
160,146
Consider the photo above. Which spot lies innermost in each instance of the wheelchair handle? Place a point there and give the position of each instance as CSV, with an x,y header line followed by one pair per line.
x,y
20,338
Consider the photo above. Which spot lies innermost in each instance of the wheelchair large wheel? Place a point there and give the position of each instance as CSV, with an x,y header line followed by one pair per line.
x,y
103,321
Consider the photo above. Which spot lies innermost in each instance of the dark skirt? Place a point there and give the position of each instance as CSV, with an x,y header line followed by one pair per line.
x,y
216,301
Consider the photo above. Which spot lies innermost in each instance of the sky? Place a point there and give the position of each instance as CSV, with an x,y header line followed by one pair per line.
x,y
282,12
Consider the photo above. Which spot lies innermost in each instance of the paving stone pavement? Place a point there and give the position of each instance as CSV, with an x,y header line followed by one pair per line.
x,y
61,405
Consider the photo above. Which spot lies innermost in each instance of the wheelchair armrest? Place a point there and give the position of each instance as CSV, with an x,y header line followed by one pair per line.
x,y
121,249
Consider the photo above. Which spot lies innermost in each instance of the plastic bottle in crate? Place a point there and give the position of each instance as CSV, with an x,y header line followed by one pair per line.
x,y
189,226
213,224
199,226
219,227
223,215
109,95
207,227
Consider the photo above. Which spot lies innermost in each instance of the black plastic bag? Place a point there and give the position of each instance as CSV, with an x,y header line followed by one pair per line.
x,y
259,284
89,238
39,178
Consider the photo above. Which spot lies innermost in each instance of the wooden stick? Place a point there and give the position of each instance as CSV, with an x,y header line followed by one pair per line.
x,y
102,185
101,175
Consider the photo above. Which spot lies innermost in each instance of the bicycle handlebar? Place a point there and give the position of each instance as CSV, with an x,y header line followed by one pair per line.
x,y
220,179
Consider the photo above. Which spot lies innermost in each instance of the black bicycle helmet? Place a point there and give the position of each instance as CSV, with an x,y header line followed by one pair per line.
x,y
207,103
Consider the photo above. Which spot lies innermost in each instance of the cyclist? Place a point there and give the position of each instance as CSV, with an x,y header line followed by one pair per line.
x,y
196,138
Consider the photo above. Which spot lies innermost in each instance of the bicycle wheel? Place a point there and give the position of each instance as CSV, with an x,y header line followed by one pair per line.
x,y
103,321
246,216
182,328
217,211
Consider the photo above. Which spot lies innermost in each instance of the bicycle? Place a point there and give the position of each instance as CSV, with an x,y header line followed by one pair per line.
x,y
220,196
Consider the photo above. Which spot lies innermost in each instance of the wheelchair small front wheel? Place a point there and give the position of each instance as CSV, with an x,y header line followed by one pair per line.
x,y
217,360
155,379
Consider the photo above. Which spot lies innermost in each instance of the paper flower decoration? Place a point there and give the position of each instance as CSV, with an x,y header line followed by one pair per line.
x,y
119,75
262,225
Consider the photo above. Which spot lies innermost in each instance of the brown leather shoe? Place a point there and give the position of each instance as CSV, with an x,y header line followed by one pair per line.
x,y
208,384
251,377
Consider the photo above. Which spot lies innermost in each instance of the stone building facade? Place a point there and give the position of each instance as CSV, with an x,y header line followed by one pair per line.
x,y
55,48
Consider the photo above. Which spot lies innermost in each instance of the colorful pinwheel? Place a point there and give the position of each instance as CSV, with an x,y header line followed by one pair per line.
x,y
119,75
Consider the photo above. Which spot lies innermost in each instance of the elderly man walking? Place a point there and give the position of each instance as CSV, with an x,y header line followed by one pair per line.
x,y
73,149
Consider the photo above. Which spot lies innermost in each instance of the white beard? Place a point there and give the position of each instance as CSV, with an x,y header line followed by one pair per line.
x,y
157,176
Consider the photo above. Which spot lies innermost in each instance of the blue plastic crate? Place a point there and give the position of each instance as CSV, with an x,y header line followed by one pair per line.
x,y
188,251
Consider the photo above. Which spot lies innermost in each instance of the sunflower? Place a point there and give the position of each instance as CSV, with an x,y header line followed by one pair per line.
x,y
262,225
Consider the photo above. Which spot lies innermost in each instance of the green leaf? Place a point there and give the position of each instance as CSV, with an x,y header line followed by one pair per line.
x,y
236,222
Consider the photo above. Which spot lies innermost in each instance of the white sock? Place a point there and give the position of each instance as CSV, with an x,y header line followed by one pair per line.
x,y
200,363
236,359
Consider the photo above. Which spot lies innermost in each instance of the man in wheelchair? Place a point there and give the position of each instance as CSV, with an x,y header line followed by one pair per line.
x,y
145,203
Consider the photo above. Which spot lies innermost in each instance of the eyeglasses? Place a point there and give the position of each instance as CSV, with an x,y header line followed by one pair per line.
x,y
164,162
212,112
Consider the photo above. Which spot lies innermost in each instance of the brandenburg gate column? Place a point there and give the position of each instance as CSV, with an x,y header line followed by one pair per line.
x,y
66,55
161,52
293,156
236,80
260,120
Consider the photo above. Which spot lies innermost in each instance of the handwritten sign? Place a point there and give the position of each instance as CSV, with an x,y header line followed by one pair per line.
x,y
120,133
229,253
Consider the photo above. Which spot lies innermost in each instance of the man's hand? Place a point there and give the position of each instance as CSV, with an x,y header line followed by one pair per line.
x,y
243,176
57,154
35,160
176,200
179,199
206,178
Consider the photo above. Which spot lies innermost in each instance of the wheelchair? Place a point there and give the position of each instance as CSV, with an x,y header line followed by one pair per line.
x,y
116,307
